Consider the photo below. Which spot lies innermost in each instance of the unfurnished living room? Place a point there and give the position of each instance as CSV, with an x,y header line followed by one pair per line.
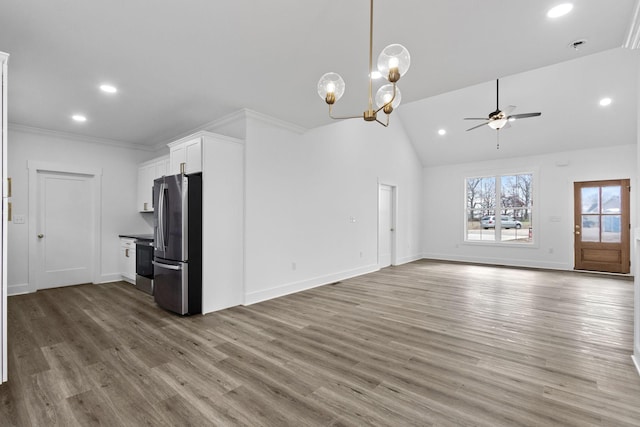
x,y
338,213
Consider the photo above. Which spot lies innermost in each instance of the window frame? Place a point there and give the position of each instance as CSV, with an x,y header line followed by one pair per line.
x,y
498,209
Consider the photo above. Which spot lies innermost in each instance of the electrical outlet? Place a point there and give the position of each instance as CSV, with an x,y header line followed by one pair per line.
x,y
19,219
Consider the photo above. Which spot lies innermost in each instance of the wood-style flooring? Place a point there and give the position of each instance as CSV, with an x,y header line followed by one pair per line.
x,y
426,343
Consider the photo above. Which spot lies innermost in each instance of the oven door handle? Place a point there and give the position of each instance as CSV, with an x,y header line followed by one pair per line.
x,y
167,266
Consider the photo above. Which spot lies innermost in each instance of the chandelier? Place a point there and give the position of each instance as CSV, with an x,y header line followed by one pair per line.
x,y
393,63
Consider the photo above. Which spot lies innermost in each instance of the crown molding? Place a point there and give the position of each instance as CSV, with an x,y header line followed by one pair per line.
x,y
633,37
275,122
237,116
246,113
229,118
78,137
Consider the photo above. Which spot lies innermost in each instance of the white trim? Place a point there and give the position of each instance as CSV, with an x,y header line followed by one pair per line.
x,y
4,371
81,138
275,122
109,278
408,259
394,220
636,362
633,35
291,288
20,289
33,168
236,116
525,262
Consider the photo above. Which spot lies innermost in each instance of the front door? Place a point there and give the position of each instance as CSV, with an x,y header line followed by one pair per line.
x,y
601,225
64,229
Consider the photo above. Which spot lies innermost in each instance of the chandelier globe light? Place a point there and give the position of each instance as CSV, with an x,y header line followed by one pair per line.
x,y
393,63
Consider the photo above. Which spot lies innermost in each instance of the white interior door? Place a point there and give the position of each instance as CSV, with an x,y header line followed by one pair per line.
x,y
65,229
386,227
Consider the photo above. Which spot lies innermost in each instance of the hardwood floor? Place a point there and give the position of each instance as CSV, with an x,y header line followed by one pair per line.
x,y
426,343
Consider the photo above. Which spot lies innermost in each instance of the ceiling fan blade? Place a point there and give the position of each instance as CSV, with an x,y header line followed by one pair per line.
x,y
475,118
478,126
509,109
524,115
506,126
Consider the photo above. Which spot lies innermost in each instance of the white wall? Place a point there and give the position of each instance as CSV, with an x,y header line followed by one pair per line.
x,y
119,184
443,220
301,191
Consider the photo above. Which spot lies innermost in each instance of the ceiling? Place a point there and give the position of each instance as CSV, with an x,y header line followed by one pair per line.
x,y
179,65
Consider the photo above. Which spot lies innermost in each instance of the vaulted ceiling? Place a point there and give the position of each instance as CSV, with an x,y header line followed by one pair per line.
x,y
178,65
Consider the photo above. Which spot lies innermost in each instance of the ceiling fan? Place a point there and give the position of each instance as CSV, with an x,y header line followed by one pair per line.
x,y
500,119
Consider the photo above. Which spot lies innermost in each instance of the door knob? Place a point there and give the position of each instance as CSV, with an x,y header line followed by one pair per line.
x,y
40,236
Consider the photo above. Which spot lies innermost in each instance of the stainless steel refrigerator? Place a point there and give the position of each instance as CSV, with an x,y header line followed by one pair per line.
x,y
177,254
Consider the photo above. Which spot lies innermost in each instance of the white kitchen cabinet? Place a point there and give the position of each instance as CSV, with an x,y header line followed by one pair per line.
x,y
147,172
127,259
188,151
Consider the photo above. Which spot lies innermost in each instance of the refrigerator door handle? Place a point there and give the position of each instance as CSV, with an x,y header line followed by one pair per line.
x,y
160,208
167,266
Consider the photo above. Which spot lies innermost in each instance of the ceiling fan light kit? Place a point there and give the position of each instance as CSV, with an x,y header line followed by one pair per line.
x,y
500,119
393,63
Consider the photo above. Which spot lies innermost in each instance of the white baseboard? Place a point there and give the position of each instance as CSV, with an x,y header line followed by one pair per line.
x,y
290,288
108,278
19,289
636,361
549,265
408,259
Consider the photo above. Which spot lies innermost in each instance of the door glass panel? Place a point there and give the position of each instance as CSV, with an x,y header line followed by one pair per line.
x,y
590,228
590,200
611,200
611,231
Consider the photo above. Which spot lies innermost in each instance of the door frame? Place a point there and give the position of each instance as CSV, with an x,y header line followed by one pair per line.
x,y
394,220
95,175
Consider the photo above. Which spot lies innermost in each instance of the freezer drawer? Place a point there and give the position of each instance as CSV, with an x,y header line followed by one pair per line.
x,y
171,285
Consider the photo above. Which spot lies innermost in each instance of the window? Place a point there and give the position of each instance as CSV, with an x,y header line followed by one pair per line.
x,y
499,209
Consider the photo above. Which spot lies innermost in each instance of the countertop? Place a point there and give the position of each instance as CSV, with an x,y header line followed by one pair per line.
x,y
148,237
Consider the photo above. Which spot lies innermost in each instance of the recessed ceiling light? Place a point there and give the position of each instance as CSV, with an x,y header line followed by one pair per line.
x,y
605,101
442,132
560,10
79,118
108,88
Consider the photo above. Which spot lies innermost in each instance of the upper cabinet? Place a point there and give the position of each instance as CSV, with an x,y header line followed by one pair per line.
x,y
186,151
147,172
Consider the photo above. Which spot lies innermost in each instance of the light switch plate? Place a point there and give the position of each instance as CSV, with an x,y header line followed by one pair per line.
x,y
19,219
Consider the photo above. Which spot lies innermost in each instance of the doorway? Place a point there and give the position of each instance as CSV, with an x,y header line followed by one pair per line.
x,y
602,226
386,225
64,221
